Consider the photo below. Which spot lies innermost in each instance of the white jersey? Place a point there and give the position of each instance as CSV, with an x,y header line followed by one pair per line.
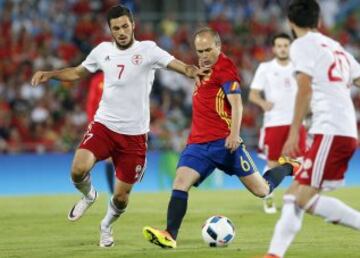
x,y
279,87
332,70
128,78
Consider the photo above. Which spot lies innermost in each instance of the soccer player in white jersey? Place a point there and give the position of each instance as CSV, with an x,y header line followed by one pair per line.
x,y
325,73
122,119
273,89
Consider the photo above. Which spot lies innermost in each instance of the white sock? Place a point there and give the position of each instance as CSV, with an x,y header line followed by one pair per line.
x,y
335,211
86,188
112,214
287,226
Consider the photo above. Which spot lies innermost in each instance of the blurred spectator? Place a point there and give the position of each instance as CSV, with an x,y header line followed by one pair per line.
x,y
42,34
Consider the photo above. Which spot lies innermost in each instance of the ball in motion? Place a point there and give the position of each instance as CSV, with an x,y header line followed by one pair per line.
x,y
218,231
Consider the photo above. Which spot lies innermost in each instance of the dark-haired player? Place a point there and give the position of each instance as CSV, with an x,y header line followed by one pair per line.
x,y
273,89
122,119
214,141
325,73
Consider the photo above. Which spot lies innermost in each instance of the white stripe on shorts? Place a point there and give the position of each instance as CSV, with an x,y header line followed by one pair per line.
x,y
320,160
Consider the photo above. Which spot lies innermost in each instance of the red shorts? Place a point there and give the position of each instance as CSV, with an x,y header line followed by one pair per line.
x,y
128,152
326,161
275,138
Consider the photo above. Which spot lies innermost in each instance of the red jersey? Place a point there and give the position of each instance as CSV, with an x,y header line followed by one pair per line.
x,y
94,95
211,119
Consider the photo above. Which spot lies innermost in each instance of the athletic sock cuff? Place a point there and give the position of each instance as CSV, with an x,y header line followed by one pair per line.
x,y
179,194
116,210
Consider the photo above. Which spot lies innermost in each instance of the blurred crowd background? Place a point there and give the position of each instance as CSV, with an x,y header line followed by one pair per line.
x,y
43,35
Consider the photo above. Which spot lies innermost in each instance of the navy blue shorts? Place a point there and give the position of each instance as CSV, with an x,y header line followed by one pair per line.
x,y
205,157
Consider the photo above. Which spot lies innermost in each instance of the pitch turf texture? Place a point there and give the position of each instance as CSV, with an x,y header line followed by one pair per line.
x,y
37,227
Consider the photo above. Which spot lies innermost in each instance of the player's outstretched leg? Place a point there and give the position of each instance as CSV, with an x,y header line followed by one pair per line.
x,y
276,175
84,160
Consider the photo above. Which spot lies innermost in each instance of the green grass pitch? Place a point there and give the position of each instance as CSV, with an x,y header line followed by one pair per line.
x,y
38,227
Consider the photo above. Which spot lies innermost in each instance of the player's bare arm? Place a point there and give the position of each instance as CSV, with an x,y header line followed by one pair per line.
x,y
233,141
256,98
302,104
66,74
190,71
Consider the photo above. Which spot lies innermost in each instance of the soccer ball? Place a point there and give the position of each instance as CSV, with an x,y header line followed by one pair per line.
x,y
218,231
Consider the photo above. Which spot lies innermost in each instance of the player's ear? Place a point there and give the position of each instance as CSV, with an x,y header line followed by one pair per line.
x,y
133,25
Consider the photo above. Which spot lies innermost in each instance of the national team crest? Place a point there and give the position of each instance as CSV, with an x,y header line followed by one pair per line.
x,y
137,59
139,172
138,169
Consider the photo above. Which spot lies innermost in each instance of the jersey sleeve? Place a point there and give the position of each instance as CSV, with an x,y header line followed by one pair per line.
x,y
354,66
303,57
91,62
159,57
259,79
227,73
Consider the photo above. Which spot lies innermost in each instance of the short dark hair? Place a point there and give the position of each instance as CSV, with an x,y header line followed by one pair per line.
x,y
281,35
213,33
304,13
117,11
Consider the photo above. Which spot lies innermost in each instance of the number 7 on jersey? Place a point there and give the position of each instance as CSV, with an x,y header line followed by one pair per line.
x,y
121,70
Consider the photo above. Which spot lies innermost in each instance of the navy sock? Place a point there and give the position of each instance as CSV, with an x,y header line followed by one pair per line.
x,y
109,171
176,211
276,175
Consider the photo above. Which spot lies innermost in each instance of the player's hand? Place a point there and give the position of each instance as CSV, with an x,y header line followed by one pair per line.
x,y
232,142
40,77
267,106
204,72
291,146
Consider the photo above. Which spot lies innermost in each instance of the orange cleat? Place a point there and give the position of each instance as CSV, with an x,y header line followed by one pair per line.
x,y
271,256
293,162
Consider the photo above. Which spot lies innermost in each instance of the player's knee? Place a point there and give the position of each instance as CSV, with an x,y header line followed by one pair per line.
x,y
181,183
79,171
120,200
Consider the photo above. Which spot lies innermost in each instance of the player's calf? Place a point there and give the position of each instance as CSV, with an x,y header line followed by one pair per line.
x,y
334,211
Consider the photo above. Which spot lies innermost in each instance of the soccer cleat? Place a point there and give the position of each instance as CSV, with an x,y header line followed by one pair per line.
x,y
271,256
293,162
269,205
161,238
80,207
106,238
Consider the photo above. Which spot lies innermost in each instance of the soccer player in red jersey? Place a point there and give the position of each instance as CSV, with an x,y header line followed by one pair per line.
x,y
92,103
214,141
